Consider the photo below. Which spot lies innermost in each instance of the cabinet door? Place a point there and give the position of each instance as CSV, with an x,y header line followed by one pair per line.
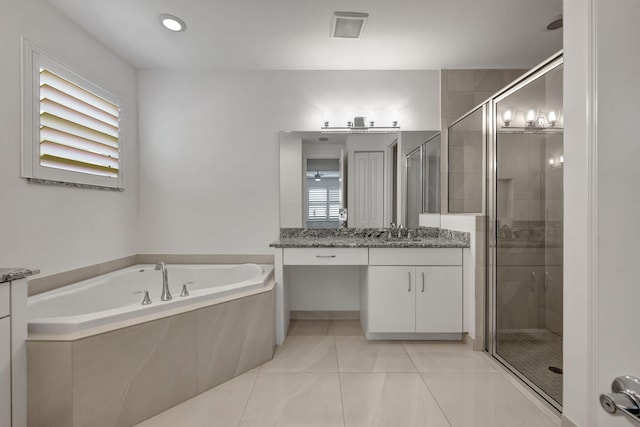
x,y
439,299
391,299
5,372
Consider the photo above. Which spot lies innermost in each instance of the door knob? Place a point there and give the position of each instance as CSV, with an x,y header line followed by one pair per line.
x,y
624,398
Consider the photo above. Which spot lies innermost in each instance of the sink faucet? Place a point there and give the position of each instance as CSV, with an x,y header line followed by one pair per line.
x,y
166,295
392,227
400,228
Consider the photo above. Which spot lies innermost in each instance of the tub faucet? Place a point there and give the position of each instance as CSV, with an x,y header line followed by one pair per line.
x,y
166,295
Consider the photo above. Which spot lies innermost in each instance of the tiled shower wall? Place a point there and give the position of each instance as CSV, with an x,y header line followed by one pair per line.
x,y
460,91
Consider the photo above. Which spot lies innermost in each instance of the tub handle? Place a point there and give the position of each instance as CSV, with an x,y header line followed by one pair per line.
x,y
185,292
146,300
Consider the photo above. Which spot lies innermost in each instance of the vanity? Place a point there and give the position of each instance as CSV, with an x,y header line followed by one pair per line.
x,y
336,256
13,356
409,288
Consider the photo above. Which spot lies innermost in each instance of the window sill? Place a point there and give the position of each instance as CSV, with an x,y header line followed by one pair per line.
x,y
72,184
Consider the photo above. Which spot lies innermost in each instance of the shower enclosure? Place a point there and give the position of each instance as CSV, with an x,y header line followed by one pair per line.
x,y
526,229
518,184
423,181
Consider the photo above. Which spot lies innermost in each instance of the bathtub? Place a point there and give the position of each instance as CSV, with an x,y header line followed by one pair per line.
x,y
118,296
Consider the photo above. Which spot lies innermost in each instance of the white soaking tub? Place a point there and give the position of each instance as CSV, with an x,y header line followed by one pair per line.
x,y
118,295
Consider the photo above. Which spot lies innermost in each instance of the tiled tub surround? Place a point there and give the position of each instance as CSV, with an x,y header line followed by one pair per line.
x,y
118,296
133,371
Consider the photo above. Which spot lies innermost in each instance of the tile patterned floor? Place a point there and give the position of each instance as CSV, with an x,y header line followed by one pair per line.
x,y
532,352
327,374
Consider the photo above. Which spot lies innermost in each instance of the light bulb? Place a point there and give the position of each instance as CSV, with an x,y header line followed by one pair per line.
x,y
531,117
552,118
507,116
172,23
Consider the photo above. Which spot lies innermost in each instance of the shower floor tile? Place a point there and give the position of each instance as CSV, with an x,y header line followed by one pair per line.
x,y
533,352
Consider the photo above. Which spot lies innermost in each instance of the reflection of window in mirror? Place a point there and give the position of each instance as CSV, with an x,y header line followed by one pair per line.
x,y
323,193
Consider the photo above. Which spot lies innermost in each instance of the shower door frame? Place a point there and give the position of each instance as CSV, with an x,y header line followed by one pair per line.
x,y
491,298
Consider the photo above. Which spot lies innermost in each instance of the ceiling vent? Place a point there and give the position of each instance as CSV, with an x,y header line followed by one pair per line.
x,y
348,25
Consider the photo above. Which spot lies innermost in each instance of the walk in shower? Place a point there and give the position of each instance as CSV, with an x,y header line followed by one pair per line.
x,y
519,187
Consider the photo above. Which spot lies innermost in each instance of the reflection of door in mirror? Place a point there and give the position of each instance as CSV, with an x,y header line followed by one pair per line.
x,y
368,209
323,193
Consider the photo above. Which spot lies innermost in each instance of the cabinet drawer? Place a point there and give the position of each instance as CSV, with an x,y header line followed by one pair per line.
x,y
415,256
326,256
5,298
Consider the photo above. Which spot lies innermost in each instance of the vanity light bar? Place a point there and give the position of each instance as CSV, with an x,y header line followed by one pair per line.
x,y
373,129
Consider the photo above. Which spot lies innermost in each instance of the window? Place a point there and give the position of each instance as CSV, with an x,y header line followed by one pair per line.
x,y
71,126
324,203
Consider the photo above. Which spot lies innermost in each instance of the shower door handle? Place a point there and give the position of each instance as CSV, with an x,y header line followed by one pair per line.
x,y
624,398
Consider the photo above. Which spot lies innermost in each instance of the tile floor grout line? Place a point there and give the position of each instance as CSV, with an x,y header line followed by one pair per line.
x,y
444,414
246,404
529,395
335,343
402,343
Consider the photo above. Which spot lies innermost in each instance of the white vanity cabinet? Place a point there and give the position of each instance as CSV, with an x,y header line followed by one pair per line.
x,y
5,355
13,361
424,297
391,303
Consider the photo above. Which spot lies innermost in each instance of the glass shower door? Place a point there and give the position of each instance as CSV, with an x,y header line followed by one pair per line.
x,y
527,218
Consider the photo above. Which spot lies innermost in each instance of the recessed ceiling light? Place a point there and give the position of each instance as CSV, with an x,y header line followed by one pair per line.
x,y
348,25
172,23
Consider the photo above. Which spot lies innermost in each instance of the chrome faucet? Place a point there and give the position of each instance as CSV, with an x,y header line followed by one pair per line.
x,y
400,228
393,226
166,295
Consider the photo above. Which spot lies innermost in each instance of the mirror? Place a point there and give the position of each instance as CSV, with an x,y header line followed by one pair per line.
x,y
358,180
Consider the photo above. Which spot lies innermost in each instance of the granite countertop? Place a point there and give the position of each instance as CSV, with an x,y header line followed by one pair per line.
x,y
423,237
10,274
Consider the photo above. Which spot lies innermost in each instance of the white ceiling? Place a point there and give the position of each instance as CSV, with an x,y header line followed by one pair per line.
x,y
294,34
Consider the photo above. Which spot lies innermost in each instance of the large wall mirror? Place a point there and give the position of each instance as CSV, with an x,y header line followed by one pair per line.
x,y
359,180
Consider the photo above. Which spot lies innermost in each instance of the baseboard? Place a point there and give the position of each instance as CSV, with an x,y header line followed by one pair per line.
x,y
468,340
325,315
414,336
566,422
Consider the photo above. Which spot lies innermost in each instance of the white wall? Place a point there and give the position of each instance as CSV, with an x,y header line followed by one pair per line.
x,y
577,401
55,228
291,179
209,145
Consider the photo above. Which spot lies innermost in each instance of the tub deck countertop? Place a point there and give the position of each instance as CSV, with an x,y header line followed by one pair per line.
x,y
370,238
11,274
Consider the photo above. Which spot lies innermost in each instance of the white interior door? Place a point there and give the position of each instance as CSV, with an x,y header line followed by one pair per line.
x,y
617,196
369,189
